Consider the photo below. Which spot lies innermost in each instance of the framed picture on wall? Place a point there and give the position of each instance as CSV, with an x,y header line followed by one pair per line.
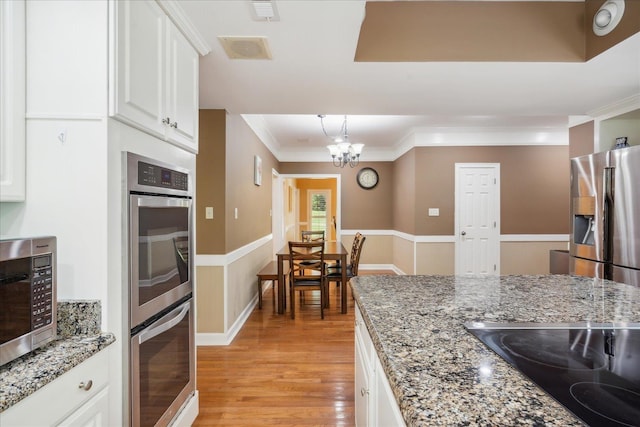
x,y
257,170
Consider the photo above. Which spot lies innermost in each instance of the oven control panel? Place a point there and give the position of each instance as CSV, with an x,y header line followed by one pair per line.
x,y
157,176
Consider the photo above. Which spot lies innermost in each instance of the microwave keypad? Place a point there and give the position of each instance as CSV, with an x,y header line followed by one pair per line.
x,y
42,294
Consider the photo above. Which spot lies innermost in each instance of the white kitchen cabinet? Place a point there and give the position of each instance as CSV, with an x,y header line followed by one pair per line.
x,y
12,101
94,413
362,392
375,403
78,397
154,74
387,412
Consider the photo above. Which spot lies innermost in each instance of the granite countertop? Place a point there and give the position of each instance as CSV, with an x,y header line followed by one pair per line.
x,y
434,365
79,338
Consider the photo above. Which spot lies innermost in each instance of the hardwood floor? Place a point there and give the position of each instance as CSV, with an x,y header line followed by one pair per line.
x,y
282,371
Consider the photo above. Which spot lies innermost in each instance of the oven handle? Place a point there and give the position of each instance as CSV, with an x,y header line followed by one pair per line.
x,y
166,324
159,201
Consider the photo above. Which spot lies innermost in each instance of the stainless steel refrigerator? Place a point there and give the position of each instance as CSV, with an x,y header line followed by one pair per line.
x,y
605,214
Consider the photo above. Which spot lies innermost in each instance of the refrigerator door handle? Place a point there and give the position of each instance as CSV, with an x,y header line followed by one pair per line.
x,y
608,199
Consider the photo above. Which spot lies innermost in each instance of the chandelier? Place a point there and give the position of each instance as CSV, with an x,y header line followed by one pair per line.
x,y
342,151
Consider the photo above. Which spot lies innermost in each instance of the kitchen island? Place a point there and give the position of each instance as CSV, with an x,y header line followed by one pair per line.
x,y
440,374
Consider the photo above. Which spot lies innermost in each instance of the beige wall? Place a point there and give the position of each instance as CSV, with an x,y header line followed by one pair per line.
x,y
209,299
210,182
396,31
376,250
224,181
527,257
242,285
403,254
361,209
628,26
474,31
404,193
435,258
581,139
534,187
253,202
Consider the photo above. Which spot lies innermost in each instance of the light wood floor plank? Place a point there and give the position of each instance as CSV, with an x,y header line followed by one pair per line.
x,y
282,372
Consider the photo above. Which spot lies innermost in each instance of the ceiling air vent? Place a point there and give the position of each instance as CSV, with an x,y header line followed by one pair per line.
x,y
246,47
264,10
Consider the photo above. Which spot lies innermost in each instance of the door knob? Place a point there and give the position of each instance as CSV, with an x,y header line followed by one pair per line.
x,y
464,233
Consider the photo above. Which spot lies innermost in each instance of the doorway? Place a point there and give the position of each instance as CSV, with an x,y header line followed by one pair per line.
x,y
319,211
293,214
477,218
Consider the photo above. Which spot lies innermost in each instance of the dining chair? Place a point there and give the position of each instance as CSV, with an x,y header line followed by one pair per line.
x,y
334,274
312,236
307,277
354,246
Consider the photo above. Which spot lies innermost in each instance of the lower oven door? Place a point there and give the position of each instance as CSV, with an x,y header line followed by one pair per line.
x,y
163,367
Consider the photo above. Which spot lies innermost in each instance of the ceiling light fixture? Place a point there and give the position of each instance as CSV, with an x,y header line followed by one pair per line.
x,y
342,151
608,17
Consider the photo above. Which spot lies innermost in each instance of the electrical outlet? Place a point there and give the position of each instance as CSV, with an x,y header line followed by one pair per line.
x,y
434,212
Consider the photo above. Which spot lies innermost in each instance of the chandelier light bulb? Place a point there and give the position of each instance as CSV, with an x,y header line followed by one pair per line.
x,y
342,151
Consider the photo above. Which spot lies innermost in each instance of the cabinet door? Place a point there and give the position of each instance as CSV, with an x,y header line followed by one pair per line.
x,y
386,407
140,79
362,386
182,100
94,413
12,101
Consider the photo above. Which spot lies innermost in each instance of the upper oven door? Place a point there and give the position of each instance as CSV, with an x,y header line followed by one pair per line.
x,y
160,244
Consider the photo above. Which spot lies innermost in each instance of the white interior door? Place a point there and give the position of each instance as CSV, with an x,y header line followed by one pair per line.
x,y
477,221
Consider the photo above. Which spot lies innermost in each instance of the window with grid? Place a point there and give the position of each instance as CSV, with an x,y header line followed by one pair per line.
x,y
319,210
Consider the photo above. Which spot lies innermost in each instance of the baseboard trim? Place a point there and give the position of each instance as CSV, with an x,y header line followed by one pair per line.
x,y
219,338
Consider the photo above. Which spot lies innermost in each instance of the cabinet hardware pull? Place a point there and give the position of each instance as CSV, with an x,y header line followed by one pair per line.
x,y
363,391
86,386
166,121
174,125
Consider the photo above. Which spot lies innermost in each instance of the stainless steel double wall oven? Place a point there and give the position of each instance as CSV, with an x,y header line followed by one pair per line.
x,y
162,348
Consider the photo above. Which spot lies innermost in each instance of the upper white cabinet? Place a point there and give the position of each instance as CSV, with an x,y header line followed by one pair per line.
x,y
154,74
12,101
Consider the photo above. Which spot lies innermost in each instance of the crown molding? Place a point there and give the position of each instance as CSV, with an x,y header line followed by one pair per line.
x,y
175,12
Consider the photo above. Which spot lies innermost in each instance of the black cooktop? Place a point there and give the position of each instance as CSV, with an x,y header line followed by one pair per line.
x,y
593,371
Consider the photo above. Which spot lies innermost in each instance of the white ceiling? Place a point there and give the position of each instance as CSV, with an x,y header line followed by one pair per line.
x,y
312,72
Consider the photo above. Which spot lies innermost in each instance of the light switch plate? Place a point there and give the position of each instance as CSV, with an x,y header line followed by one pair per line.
x,y
235,213
208,212
434,212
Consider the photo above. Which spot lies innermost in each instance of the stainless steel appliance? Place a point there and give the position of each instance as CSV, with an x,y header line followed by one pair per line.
x,y
162,366
593,370
27,295
162,347
605,213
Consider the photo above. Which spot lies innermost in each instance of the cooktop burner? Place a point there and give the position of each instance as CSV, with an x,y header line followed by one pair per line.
x,y
550,348
593,372
599,398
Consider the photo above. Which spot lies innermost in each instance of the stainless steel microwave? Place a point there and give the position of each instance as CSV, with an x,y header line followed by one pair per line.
x,y
27,295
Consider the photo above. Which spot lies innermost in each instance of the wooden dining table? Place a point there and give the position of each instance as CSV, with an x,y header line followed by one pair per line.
x,y
332,251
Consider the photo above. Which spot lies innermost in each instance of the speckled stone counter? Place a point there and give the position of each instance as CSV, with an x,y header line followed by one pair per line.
x,y
79,338
442,375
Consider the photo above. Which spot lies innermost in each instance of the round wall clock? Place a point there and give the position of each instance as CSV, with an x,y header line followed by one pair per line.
x,y
367,178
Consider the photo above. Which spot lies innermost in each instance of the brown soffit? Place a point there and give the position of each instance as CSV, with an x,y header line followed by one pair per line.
x,y
419,31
